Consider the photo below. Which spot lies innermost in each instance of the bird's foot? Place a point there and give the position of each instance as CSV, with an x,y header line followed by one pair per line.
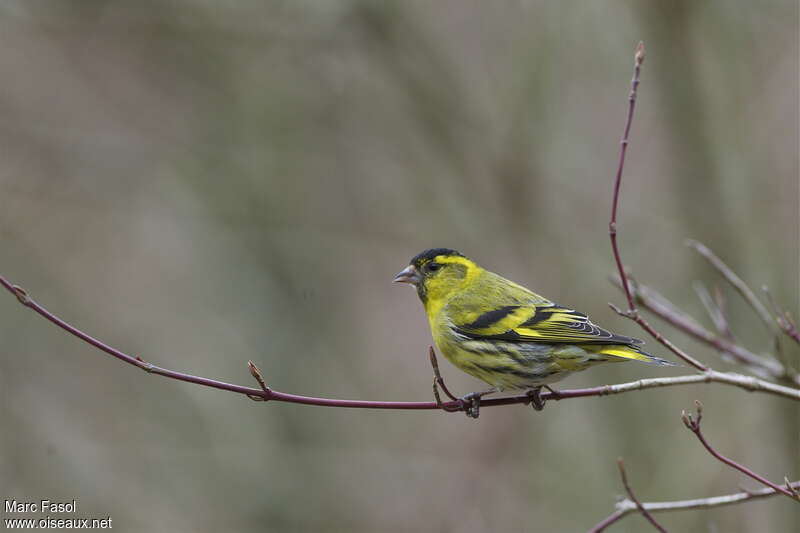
x,y
472,402
537,402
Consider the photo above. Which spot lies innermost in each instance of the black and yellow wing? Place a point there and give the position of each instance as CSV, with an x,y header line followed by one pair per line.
x,y
550,324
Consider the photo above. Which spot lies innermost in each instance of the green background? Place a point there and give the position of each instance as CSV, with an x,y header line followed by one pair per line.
x,y
203,183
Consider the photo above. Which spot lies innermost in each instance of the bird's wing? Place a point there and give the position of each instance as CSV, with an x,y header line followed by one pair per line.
x,y
537,323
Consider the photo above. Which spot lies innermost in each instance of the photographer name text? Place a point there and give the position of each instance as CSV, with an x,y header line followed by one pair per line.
x,y
50,507
42,506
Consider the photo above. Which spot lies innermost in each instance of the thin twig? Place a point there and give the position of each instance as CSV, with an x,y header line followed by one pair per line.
x,y
751,298
721,303
632,311
693,425
645,513
789,326
783,318
791,487
256,373
607,521
623,148
776,336
657,304
713,305
627,506
438,381
737,282
645,325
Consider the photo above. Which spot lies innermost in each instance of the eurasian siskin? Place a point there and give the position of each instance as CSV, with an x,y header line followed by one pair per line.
x,y
504,334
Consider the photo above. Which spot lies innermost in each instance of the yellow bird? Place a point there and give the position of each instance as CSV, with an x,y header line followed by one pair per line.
x,y
504,334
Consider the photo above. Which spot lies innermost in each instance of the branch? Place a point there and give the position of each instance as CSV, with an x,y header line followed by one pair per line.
x,y
645,325
638,59
438,381
741,381
657,304
633,498
627,506
724,344
693,425
633,312
783,318
264,393
715,308
783,321
735,281
632,504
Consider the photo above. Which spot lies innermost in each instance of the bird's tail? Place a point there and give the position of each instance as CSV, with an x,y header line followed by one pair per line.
x,y
632,352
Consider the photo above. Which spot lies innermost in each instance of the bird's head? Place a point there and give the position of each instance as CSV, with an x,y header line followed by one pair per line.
x,y
437,273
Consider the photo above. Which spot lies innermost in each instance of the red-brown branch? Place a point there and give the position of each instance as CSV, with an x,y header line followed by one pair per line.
x,y
645,513
623,148
645,325
632,312
657,304
265,393
693,425
607,521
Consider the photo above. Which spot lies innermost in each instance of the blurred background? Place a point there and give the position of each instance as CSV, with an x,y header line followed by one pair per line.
x,y
203,183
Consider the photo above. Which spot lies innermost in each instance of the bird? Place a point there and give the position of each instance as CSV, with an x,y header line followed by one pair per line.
x,y
503,333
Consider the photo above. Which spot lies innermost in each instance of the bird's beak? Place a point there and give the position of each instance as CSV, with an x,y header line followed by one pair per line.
x,y
408,275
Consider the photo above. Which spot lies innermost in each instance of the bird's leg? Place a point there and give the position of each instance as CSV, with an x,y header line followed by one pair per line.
x,y
473,400
537,402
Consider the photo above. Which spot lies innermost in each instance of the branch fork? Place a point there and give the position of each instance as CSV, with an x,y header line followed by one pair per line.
x,y
21,294
692,423
645,513
438,381
256,373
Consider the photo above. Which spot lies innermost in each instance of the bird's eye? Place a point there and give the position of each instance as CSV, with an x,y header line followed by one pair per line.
x,y
433,267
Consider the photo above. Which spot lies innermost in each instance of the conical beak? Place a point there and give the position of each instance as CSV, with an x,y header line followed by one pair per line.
x,y
408,275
